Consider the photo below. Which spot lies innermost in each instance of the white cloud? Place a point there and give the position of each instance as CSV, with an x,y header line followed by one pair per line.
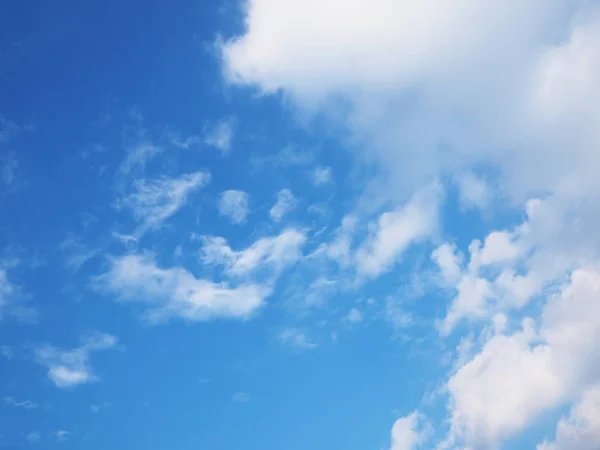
x,y
296,338
77,253
321,175
395,231
449,262
408,432
176,292
138,157
71,368
286,202
154,201
62,435
514,378
13,302
25,404
221,136
581,428
353,316
234,204
274,252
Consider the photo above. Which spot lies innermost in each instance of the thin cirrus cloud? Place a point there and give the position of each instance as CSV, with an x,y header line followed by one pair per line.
x,y
153,201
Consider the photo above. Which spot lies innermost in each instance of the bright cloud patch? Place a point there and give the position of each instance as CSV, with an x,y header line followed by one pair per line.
x,y
71,368
175,292
234,204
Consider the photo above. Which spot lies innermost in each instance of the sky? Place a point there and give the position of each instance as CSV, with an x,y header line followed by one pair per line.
x,y
300,224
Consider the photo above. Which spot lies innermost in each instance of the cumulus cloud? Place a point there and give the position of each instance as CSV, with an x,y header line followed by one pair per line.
x,y
234,204
541,366
442,90
581,428
176,292
408,432
285,203
71,368
154,201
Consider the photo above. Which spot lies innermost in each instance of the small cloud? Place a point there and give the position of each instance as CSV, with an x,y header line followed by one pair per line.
x,y
95,409
71,368
285,203
34,437
25,404
152,202
8,174
13,302
321,176
234,204
353,316
296,338
241,397
76,253
221,136
62,435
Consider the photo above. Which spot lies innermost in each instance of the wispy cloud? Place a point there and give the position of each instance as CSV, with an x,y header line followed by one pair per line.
x,y
176,292
34,437
154,201
296,338
321,176
71,368
13,301
77,253
221,136
234,204
25,404
285,203
274,252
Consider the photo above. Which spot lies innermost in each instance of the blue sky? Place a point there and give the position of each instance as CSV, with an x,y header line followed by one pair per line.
x,y
299,224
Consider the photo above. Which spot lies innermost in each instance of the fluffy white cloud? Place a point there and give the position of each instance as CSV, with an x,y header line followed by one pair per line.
x,y
152,202
475,94
408,432
71,368
285,203
273,253
395,231
176,292
514,378
581,429
234,204
353,316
